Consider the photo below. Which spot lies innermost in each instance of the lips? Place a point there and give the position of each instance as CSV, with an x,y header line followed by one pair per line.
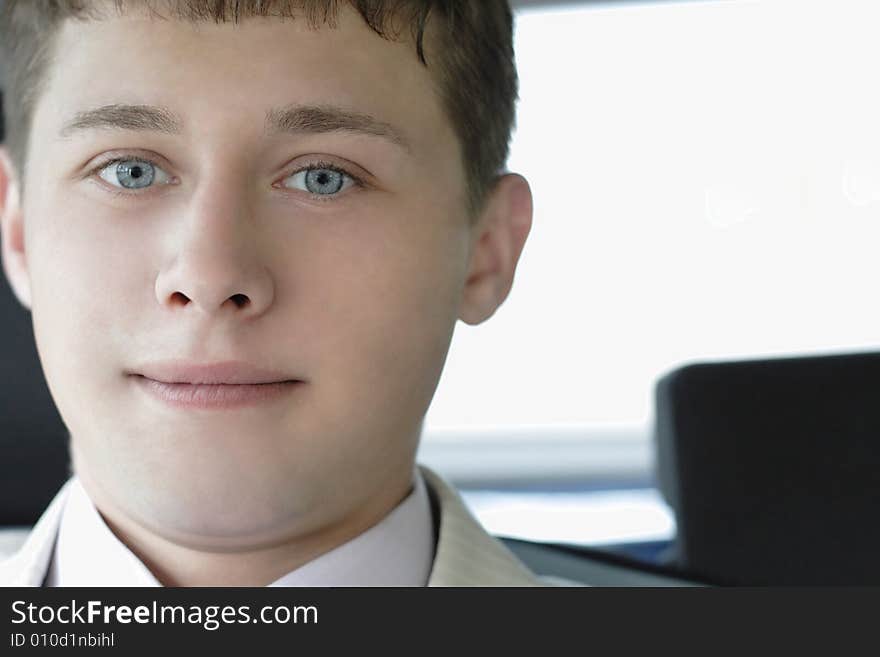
x,y
217,373
225,385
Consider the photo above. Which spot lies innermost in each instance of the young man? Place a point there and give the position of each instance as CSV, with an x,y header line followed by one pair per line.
x,y
245,232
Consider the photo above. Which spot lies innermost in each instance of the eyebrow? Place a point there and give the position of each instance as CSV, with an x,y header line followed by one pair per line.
x,y
316,119
289,120
123,117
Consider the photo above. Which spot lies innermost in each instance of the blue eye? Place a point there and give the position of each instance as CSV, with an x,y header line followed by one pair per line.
x,y
132,173
321,180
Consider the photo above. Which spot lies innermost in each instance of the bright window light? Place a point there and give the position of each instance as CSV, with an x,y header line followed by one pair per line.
x,y
707,186
597,518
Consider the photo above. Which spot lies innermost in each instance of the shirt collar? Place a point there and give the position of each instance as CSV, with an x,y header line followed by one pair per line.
x,y
397,551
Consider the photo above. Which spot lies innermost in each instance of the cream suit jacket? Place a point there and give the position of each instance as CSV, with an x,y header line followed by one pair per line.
x,y
466,555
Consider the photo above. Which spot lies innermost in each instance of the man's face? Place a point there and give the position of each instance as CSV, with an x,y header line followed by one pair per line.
x,y
355,293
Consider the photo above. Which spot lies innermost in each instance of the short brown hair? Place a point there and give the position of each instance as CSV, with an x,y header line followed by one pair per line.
x,y
474,73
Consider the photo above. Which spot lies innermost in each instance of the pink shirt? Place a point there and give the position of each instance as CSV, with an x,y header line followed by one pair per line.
x,y
397,551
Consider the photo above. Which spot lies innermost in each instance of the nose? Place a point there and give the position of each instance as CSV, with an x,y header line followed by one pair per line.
x,y
218,266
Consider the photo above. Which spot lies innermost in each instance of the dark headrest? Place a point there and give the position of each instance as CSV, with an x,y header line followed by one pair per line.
x,y
33,438
773,468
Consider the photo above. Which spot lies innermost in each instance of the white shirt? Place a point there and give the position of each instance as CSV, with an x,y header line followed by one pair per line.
x,y
397,551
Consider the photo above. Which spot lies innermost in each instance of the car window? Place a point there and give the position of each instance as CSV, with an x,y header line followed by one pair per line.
x,y
706,180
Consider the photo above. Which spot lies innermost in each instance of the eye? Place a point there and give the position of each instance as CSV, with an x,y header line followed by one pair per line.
x,y
321,180
132,173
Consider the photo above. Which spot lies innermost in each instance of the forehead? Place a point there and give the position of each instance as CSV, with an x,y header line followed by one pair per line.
x,y
210,74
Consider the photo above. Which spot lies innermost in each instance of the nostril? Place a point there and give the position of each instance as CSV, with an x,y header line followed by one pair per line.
x,y
240,300
179,297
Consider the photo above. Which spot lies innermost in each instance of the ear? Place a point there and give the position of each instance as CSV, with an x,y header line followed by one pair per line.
x,y
499,237
12,231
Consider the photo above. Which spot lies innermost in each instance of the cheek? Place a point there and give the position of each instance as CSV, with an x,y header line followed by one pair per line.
x,y
81,278
388,307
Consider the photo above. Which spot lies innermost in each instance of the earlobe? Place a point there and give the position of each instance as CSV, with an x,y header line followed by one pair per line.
x,y
12,232
500,236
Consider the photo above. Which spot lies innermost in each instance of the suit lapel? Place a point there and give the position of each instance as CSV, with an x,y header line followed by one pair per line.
x,y
466,554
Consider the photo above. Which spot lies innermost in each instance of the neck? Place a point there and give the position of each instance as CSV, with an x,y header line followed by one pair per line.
x,y
175,564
